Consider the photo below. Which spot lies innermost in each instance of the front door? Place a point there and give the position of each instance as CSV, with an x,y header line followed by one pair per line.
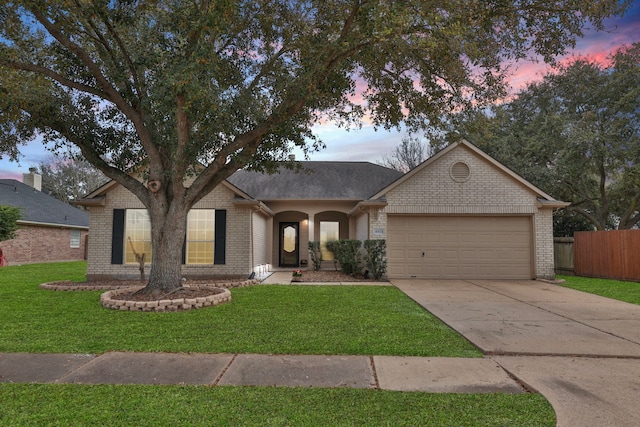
x,y
289,241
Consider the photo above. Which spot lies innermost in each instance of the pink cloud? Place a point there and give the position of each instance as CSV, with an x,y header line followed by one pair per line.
x,y
10,174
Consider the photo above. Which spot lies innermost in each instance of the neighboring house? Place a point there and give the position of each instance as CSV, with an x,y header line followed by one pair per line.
x,y
460,214
49,229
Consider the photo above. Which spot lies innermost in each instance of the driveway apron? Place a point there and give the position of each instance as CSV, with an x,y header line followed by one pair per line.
x,y
581,351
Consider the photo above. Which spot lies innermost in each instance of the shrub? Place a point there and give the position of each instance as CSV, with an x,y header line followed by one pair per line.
x,y
375,257
315,254
347,253
8,225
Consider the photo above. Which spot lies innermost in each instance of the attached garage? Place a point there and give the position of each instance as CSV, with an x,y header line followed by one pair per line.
x,y
460,247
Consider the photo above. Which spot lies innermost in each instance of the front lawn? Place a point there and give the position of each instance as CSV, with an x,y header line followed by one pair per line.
x,y
260,319
616,289
359,320
108,405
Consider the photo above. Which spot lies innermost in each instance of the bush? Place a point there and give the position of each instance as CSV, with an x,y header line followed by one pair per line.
x,y
315,254
375,257
347,253
8,225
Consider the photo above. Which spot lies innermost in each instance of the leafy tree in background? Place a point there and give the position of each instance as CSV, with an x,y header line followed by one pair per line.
x,y
9,215
575,134
70,178
196,90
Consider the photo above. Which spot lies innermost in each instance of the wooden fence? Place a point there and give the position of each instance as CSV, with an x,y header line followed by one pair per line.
x,y
608,254
563,255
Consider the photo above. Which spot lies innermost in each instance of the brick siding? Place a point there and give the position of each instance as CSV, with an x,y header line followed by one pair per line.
x,y
238,237
43,244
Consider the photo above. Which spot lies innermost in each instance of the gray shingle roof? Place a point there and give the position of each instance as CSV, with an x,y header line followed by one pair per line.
x,y
37,206
317,180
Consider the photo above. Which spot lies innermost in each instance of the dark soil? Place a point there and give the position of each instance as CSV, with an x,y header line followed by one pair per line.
x,y
136,295
333,276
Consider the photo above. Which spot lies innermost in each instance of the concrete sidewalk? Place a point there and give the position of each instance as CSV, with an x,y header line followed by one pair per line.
x,y
581,351
450,375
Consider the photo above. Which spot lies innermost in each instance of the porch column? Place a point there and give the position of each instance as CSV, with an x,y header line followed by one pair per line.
x,y
311,227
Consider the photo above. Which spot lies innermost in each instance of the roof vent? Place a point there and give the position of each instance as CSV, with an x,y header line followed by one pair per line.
x,y
460,172
292,157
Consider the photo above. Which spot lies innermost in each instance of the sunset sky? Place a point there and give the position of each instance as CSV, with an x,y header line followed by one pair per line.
x,y
368,145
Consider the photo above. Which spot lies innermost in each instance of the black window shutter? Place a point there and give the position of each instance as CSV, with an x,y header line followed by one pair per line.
x,y
219,254
117,237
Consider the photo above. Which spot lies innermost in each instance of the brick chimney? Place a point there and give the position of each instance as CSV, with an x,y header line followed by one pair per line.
x,y
32,179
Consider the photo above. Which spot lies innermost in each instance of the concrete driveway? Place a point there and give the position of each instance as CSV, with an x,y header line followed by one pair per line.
x,y
581,351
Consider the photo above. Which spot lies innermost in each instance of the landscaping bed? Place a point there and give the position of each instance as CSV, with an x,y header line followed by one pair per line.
x,y
325,276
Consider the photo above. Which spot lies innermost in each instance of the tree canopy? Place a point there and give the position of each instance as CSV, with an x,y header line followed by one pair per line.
x,y
193,91
576,134
69,177
9,215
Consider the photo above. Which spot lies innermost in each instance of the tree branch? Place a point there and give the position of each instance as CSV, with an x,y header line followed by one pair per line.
x,y
112,94
55,76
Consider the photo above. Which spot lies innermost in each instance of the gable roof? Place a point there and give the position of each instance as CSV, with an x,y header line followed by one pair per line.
x,y
40,208
317,181
544,198
96,197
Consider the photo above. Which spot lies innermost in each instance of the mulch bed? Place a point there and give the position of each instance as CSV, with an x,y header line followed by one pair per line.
x,y
333,276
134,295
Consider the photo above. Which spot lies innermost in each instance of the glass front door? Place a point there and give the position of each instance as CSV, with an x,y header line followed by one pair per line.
x,y
289,241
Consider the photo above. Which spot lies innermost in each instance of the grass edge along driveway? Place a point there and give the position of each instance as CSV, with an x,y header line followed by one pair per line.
x,y
615,289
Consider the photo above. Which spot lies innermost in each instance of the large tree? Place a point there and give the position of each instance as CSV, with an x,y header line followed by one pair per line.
x,y
191,91
575,133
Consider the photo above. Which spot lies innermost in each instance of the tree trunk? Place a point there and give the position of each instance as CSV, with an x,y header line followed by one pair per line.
x,y
168,231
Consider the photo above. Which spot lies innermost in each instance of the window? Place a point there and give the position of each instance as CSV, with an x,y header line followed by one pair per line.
x,y
137,237
200,237
75,239
329,230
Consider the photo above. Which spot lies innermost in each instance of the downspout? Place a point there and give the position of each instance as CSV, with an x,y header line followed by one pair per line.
x,y
251,242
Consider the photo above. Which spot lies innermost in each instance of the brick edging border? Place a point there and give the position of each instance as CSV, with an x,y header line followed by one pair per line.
x,y
110,300
221,294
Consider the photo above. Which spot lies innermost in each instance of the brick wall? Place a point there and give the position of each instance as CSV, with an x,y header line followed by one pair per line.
x,y
238,237
487,191
43,244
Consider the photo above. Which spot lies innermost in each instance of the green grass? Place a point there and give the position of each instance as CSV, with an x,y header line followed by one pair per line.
x,y
260,319
616,289
360,320
76,405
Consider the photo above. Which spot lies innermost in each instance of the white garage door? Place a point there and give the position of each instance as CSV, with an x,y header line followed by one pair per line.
x,y
459,247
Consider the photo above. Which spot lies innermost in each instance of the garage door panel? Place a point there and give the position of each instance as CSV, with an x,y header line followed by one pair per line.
x,y
414,254
397,251
414,238
460,247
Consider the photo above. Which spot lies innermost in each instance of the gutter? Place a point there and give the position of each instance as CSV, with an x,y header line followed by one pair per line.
x,y
50,224
366,205
255,205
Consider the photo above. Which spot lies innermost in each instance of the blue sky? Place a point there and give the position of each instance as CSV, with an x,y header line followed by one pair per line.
x,y
366,144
